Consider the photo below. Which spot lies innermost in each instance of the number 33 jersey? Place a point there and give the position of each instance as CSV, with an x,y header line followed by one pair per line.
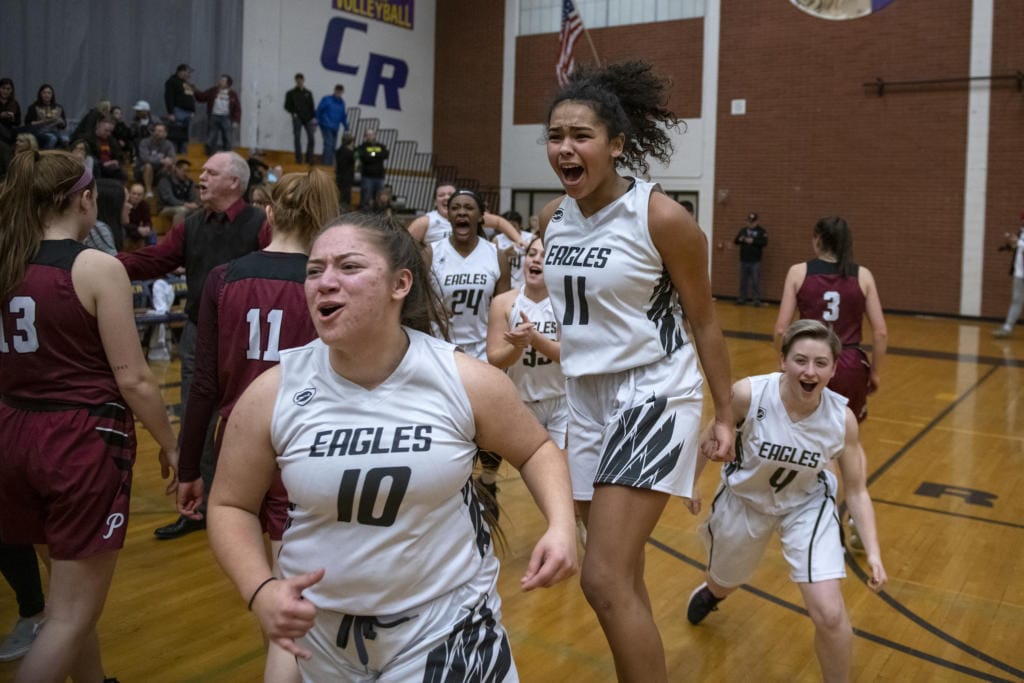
x,y
609,287
779,463
467,286
379,480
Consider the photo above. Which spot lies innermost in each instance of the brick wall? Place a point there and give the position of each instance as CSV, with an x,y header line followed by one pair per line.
x,y
675,48
1006,156
815,142
467,87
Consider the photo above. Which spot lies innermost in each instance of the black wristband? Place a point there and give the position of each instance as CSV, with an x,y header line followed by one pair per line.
x,y
258,589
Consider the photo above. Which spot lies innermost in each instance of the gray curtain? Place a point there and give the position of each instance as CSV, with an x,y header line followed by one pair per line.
x,y
117,49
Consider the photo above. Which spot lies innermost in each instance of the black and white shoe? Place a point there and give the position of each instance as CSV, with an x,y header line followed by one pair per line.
x,y
702,603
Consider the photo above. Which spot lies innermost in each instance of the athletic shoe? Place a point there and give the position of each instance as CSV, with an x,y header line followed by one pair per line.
x,y
18,643
856,545
1001,333
702,603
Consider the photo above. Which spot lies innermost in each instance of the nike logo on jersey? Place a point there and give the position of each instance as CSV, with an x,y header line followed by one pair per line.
x,y
363,440
779,453
592,257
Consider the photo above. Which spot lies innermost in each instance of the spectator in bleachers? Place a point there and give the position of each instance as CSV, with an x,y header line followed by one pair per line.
x,y
224,113
123,134
107,234
10,113
141,122
176,192
155,158
371,156
226,229
105,149
88,122
345,170
80,148
25,142
179,98
331,116
138,229
259,195
299,103
46,120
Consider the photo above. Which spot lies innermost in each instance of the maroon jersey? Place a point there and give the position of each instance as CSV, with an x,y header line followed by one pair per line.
x,y
50,346
835,300
251,308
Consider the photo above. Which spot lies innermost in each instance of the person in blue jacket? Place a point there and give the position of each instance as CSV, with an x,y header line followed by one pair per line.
x,y
331,116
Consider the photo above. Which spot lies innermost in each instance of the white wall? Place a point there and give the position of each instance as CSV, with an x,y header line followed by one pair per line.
x,y
283,37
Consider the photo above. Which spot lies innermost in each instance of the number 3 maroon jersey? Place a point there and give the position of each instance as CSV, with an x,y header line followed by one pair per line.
x,y
837,301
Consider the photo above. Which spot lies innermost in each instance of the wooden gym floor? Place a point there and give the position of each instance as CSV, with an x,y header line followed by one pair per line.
x,y
945,445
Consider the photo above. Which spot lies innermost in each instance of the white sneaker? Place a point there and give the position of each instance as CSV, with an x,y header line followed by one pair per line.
x,y
18,643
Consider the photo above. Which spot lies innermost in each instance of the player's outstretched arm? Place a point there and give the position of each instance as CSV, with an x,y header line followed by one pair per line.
x,y
504,425
853,466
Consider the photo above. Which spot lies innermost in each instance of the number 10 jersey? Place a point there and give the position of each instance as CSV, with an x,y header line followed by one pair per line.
x,y
609,287
379,480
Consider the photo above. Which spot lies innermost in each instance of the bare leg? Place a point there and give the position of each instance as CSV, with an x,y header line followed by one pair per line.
x,y
68,642
619,522
833,635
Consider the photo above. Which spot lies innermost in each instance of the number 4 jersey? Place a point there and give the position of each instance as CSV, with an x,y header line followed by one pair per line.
x,y
609,287
379,480
779,462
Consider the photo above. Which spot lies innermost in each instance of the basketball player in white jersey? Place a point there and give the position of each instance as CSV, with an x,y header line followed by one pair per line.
x,y
434,226
522,339
621,261
516,250
468,272
388,567
790,426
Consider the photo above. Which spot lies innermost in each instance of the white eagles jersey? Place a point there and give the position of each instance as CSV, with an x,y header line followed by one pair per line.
x,y
379,480
609,287
517,259
537,377
438,227
779,463
466,284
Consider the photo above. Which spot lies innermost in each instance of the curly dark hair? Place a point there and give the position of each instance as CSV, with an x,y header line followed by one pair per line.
x,y
629,99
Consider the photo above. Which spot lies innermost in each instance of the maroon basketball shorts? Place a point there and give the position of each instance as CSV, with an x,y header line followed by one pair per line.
x,y
66,476
853,374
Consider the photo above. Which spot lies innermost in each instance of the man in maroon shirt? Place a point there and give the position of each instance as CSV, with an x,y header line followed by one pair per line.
x,y
227,229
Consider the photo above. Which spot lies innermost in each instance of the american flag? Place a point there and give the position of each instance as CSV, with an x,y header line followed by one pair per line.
x,y
572,27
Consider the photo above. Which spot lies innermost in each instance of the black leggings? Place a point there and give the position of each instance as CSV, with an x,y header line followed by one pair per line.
x,y
21,569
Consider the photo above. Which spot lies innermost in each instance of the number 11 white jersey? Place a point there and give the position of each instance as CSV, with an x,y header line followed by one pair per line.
x,y
609,287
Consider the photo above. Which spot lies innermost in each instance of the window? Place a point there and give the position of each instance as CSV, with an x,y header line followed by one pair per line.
x,y
545,16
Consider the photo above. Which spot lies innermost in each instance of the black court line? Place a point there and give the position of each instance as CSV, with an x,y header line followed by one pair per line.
x,y
934,630
927,428
880,640
170,385
904,351
946,512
